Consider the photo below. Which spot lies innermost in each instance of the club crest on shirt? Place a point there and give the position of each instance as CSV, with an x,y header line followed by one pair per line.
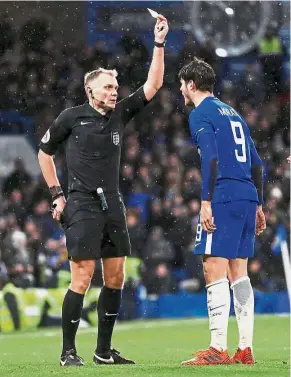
x,y
46,137
115,138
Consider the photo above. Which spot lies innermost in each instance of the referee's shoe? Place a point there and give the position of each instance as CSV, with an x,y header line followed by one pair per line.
x,y
70,358
111,357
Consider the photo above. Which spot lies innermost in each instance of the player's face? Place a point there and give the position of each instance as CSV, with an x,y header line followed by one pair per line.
x,y
104,90
185,92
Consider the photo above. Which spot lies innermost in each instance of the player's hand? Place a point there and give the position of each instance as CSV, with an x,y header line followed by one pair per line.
x,y
206,218
58,207
289,159
260,221
161,29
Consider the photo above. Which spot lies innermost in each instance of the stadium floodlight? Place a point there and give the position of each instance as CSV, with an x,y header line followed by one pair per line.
x,y
229,11
221,52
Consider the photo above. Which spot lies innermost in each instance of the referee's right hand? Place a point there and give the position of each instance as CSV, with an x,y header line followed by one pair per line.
x,y
58,207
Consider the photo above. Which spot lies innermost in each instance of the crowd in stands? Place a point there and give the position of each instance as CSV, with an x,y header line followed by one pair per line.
x,y
160,177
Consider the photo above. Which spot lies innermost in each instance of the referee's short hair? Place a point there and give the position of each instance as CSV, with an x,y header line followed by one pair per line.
x,y
89,76
200,72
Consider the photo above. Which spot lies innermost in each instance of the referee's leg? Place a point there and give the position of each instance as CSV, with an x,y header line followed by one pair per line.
x,y
108,309
109,301
81,274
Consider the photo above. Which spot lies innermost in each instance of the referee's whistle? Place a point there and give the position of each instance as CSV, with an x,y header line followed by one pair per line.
x,y
102,198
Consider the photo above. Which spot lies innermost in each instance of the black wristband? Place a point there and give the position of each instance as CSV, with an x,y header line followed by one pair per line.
x,y
57,196
56,192
160,44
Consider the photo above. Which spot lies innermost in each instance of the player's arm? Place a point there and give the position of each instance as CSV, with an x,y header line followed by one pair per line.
x,y
49,144
209,170
257,176
204,137
156,72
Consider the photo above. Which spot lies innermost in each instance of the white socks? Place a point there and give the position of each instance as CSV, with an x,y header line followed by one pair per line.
x,y
243,296
218,303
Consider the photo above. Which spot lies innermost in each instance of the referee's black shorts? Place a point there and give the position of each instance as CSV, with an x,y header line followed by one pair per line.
x,y
92,233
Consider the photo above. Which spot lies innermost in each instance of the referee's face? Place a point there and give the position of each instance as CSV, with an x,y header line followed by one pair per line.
x,y
104,91
185,92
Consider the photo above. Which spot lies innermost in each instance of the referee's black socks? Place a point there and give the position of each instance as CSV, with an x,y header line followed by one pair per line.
x,y
71,315
107,308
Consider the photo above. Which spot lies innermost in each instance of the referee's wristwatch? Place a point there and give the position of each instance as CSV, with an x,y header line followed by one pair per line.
x,y
160,44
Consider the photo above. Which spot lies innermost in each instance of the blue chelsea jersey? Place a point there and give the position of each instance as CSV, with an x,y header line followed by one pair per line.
x,y
234,149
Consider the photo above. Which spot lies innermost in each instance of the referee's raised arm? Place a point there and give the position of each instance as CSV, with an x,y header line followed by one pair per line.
x,y
156,73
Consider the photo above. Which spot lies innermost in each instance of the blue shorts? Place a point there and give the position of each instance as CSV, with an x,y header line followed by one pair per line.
x,y
235,231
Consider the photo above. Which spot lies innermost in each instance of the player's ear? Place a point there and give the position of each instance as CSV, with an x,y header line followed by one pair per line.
x,y
191,85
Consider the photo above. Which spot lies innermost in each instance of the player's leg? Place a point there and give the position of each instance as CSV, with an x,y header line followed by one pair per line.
x,y
81,274
218,304
243,297
218,300
242,290
217,249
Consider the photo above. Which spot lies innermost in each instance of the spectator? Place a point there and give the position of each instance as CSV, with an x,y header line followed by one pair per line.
x,y
18,260
18,179
127,176
17,207
271,52
257,275
252,85
34,243
158,280
157,248
156,213
137,232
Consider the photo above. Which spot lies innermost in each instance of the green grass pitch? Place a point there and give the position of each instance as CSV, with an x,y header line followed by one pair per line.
x,y
158,347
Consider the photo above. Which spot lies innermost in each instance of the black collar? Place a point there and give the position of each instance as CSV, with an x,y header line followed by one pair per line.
x,y
96,113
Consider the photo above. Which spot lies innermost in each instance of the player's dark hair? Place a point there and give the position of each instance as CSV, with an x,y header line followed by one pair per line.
x,y
200,72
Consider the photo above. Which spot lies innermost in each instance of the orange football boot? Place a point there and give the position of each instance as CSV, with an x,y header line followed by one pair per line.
x,y
210,356
243,356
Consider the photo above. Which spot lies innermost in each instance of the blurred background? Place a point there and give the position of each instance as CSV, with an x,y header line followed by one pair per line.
x,y
45,49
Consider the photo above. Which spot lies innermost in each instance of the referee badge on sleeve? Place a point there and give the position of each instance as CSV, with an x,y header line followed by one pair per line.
x,y
46,137
115,138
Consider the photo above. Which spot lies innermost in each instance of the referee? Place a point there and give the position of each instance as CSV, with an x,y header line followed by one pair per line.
x,y
94,216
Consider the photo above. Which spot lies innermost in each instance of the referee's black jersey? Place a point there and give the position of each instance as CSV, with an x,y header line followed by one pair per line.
x,y
93,142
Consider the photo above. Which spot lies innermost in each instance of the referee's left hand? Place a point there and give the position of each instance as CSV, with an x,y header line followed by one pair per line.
x,y
58,208
161,28
206,218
